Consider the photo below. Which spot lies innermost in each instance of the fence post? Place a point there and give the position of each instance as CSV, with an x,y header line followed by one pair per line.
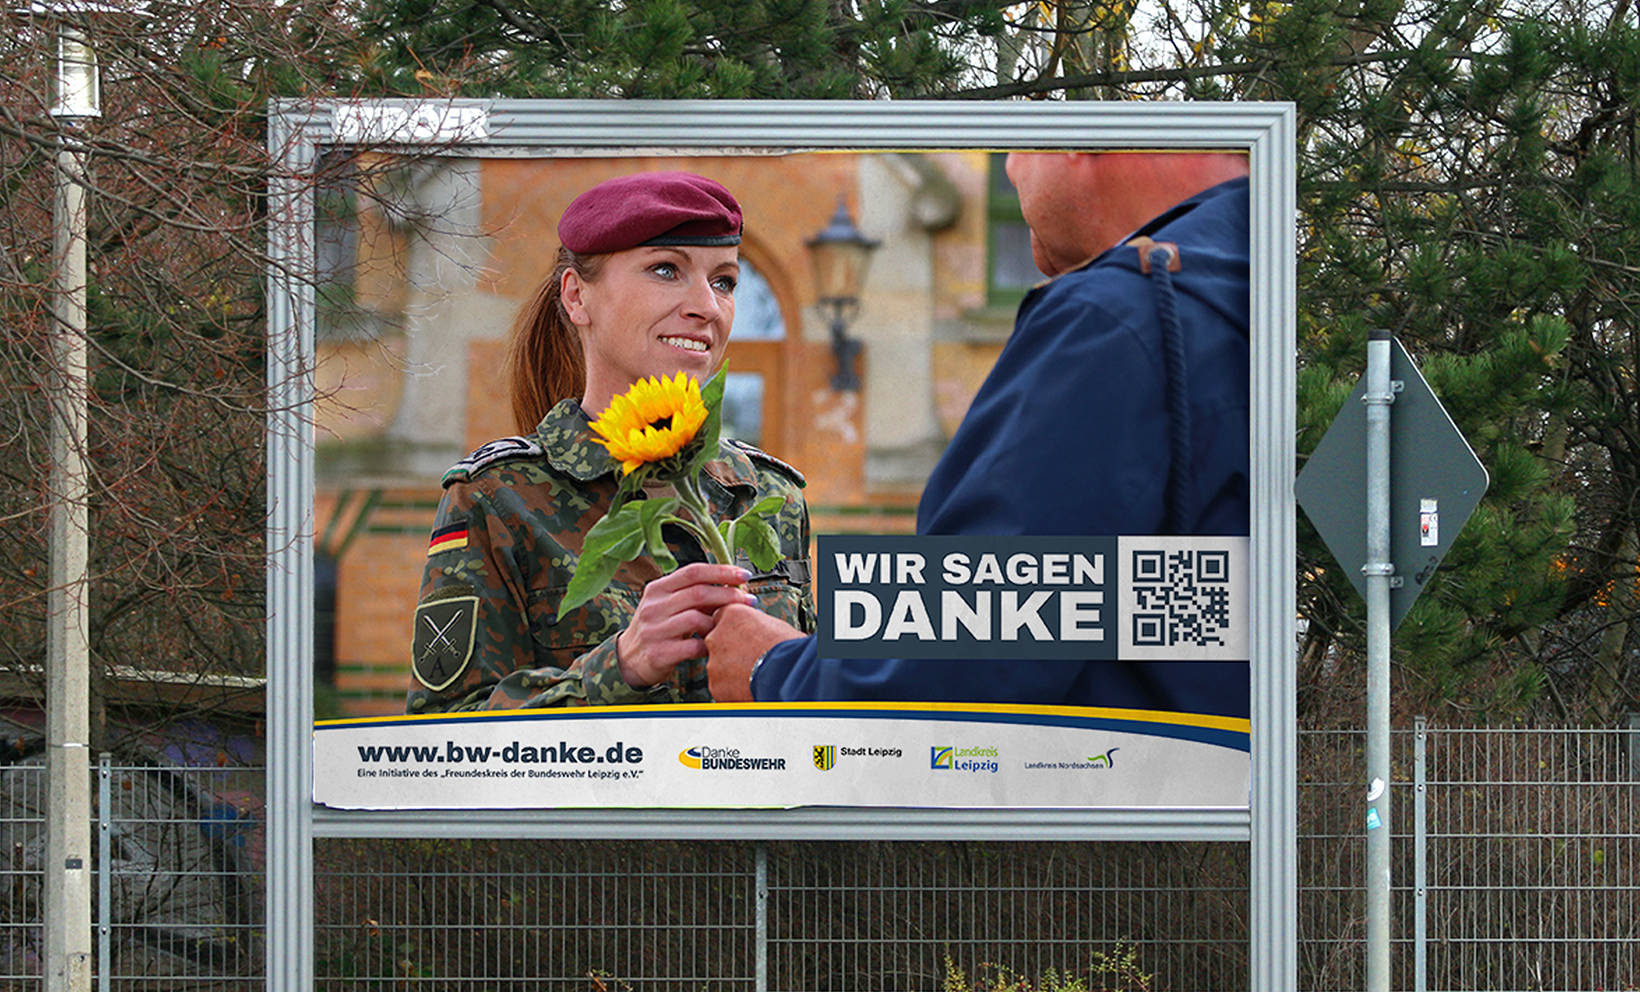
x,y
1633,722
1420,857
105,865
760,931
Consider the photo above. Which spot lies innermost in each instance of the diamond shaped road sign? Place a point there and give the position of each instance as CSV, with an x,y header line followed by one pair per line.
x,y
1435,484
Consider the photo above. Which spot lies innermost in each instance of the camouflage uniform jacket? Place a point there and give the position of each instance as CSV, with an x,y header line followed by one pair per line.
x,y
505,543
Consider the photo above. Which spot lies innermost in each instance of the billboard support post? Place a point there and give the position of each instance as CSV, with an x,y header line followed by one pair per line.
x,y
760,966
1379,572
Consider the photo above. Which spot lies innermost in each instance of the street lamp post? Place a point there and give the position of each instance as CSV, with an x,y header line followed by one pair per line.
x,y
841,255
68,696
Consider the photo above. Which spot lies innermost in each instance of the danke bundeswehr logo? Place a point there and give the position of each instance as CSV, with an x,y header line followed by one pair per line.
x,y
825,756
707,758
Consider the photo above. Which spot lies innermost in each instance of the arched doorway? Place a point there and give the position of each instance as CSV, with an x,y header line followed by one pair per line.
x,y
753,410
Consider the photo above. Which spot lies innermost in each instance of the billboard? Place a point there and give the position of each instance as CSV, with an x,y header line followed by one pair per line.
x,y
416,230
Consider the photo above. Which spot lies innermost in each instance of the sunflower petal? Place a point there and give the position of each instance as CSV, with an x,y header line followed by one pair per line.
x,y
653,420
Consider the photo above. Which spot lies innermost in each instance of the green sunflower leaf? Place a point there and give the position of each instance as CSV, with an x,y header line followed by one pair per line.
x,y
591,577
754,536
617,538
711,393
652,512
620,531
767,505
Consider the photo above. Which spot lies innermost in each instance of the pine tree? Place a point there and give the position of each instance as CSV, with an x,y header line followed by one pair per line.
x,y
660,49
1467,180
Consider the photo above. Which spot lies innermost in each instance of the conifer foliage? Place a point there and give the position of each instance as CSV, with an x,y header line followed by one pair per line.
x,y
1469,178
667,49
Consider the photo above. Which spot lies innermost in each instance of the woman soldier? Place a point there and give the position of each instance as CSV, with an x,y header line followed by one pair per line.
x,y
643,286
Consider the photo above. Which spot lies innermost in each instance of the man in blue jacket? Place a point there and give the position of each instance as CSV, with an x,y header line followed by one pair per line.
x,y
1118,407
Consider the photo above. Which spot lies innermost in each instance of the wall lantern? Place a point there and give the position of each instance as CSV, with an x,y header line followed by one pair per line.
x,y
841,254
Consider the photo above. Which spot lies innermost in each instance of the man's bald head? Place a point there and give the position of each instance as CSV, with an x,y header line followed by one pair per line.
x,y
1078,204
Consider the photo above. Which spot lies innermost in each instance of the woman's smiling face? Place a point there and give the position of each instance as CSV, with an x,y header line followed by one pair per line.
x,y
653,311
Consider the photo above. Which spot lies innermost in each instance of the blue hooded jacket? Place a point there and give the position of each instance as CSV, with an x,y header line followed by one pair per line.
x,y
1071,434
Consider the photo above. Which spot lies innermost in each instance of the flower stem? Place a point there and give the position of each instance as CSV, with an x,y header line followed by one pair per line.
x,y
708,534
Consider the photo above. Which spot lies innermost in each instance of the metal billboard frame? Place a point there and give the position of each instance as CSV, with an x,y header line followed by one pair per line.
x,y
299,131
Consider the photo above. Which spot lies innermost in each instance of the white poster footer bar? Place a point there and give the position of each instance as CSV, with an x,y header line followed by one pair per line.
x,y
749,756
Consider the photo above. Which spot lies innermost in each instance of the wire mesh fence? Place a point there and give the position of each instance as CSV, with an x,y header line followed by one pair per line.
x,y
1516,859
546,913
1527,880
1534,841
845,915
918,916
22,831
178,885
183,897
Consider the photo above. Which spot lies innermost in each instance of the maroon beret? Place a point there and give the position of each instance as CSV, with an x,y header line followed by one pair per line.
x,y
650,208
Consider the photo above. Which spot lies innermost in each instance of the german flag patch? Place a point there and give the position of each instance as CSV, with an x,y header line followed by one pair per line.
x,y
451,538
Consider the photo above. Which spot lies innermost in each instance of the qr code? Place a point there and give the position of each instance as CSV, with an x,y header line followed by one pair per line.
x,y
1181,598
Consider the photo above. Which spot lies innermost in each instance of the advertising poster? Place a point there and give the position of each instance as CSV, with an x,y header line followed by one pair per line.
x,y
1069,628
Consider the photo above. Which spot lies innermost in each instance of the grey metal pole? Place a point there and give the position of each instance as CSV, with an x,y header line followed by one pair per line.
x,y
760,953
1633,721
289,945
1420,855
1272,882
68,686
1378,569
105,870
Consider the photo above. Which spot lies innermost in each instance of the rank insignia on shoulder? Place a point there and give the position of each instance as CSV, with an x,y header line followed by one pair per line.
x,y
488,454
444,640
757,454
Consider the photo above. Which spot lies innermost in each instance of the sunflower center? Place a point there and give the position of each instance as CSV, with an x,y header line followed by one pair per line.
x,y
663,424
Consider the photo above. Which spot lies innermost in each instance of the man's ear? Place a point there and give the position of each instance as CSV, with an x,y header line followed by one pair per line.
x,y
571,289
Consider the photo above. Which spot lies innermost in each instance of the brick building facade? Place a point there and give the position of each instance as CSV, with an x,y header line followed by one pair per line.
x,y
428,262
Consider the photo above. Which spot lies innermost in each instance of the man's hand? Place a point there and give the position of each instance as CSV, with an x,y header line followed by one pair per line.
x,y
738,638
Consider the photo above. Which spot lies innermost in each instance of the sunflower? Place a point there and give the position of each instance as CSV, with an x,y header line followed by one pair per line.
x,y
652,421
